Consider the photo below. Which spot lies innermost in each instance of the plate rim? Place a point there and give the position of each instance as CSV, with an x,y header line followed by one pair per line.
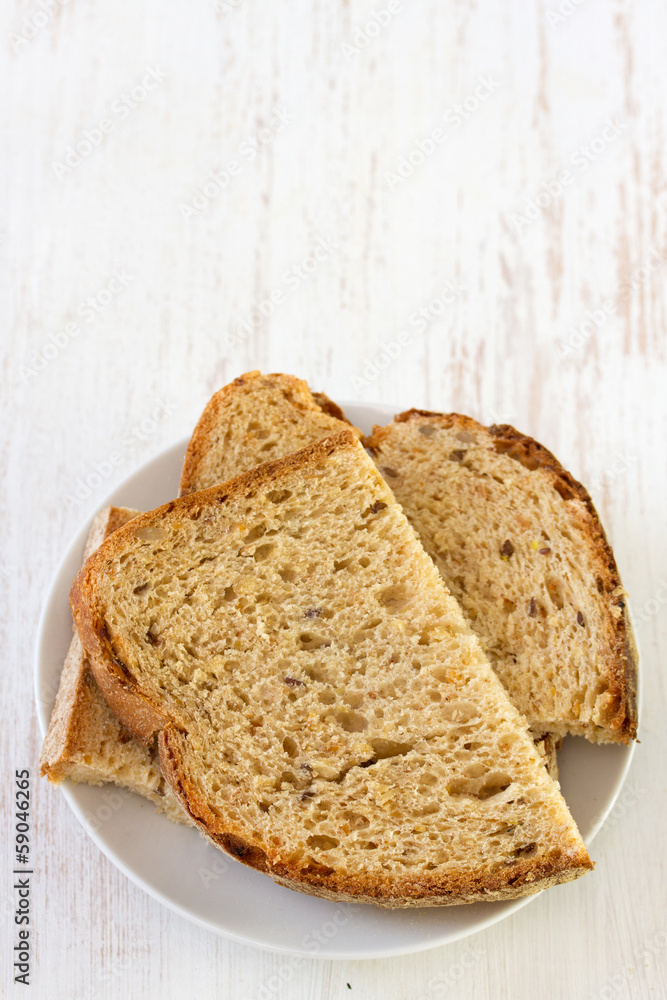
x,y
52,593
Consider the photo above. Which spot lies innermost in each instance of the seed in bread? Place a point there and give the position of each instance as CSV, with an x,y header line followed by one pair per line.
x,y
520,545
323,712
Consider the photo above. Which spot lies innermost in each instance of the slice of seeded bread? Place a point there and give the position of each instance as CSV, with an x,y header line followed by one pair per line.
x,y
322,710
85,741
252,420
255,418
520,545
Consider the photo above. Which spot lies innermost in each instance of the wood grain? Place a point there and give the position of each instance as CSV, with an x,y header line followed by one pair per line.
x,y
555,323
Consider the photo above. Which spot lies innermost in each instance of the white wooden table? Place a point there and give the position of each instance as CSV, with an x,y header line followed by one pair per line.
x,y
435,204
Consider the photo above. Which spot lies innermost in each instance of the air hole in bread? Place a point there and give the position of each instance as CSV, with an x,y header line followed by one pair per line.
x,y
314,868
323,843
254,534
354,699
556,591
395,598
309,640
459,711
287,778
384,748
279,496
428,810
352,722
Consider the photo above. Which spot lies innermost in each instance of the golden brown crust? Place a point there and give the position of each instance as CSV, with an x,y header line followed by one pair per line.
x,y
328,406
215,415
524,875
532,455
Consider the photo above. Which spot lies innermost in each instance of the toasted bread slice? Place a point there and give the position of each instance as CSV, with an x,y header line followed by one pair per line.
x,y
521,547
322,710
85,741
255,419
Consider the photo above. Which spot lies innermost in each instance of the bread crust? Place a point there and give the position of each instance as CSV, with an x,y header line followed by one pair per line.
x,y
213,416
523,876
623,660
73,705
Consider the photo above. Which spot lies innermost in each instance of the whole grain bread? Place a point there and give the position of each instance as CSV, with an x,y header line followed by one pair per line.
x,y
85,742
520,545
254,419
322,710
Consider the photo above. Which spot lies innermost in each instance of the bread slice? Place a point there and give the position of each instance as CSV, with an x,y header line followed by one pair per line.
x,y
322,710
520,545
254,419
85,741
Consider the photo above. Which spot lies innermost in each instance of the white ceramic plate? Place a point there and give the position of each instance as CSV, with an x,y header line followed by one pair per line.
x,y
181,869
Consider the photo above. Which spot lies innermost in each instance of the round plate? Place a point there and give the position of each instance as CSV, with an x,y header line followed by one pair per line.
x,y
180,868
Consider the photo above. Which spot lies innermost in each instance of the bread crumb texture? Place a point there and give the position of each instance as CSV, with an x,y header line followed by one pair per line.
x,y
332,720
256,418
521,548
